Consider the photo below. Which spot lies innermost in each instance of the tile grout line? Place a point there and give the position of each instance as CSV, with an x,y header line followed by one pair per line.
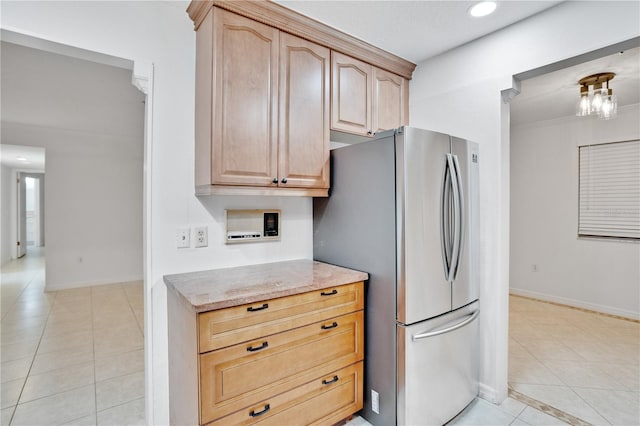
x,y
578,308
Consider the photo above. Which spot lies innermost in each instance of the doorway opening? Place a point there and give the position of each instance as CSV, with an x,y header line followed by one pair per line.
x,y
573,330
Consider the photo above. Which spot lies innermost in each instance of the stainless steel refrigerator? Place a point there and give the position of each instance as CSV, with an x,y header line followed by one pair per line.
x,y
403,207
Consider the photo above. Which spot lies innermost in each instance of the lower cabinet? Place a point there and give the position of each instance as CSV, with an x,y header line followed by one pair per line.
x,y
295,360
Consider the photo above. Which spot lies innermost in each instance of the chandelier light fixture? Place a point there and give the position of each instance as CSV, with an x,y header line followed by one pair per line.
x,y
596,96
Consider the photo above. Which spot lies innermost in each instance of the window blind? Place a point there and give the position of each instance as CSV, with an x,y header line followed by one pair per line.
x,y
609,190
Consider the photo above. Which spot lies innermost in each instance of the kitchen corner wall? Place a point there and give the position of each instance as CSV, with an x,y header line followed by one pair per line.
x,y
161,33
6,192
591,273
459,92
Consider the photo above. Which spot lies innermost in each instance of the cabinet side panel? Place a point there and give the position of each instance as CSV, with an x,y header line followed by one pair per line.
x,y
204,79
183,361
304,113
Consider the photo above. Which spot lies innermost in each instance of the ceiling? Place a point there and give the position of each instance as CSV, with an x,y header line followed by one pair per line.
x,y
33,157
555,94
415,30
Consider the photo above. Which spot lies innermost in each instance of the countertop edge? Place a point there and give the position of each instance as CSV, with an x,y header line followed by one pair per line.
x,y
354,276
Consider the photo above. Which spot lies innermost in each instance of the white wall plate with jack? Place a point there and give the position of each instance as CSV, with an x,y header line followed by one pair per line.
x,y
201,236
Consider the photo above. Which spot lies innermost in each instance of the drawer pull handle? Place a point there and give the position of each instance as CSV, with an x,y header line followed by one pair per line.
x,y
328,382
266,408
259,348
328,327
252,309
329,293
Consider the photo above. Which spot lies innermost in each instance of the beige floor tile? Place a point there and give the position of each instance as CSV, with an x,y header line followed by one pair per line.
x,y
112,320
534,417
17,350
523,370
583,374
119,390
119,365
83,421
562,398
82,341
56,328
517,350
5,415
56,381
10,392
51,361
545,349
114,341
56,409
139,313
618,407
482,413
15,335
16,369
627,374
130,414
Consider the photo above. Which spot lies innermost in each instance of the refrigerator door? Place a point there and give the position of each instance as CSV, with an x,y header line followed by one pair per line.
x,y
423,289
437,367
465,286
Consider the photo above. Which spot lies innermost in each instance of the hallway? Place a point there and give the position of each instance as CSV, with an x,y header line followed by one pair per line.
x,y
72,356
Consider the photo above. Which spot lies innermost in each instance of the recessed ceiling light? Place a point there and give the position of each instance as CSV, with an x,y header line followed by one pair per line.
x,y
483,8
21,158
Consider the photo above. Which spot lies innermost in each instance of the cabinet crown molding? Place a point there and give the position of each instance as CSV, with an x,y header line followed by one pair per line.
x,y
282,18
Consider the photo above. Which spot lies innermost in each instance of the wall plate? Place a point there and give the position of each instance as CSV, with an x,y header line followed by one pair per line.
x,y
248,226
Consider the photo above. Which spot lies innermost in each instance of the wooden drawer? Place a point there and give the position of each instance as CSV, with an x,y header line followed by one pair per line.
x,y
323,401
242,375
230,326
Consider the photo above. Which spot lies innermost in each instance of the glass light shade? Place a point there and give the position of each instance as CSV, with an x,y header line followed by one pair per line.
x,y
609,108
583,108
596,101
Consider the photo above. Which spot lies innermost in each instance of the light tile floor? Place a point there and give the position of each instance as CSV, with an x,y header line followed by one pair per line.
x,y
583,363
72,356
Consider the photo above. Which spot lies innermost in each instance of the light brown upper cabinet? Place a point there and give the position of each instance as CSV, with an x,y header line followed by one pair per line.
x,y
270,84
366,99
262,119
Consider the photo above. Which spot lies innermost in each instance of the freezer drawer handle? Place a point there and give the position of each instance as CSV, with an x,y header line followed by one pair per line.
x,y
329,327
328,382
266,408
259,348
252,309
468,318
329,293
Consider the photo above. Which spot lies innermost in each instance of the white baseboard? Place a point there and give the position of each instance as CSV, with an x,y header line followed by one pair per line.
x,y
488,393
116,280
575,303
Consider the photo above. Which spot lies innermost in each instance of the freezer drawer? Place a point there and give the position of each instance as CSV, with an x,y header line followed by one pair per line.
x,y
437,367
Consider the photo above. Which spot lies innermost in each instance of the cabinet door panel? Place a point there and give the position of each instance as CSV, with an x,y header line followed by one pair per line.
x,y
351,94
304,113
388,100
245,101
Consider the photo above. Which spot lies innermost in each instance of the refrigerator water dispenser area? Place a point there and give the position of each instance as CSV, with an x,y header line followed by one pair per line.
x,y
248,226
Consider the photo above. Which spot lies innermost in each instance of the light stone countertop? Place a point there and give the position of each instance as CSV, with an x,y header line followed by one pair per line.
x,y
223,288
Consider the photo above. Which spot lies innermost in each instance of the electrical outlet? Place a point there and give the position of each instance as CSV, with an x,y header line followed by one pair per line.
x,y
201,234
375,402
183,239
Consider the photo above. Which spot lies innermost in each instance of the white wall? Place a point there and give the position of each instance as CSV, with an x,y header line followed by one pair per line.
x,y
161,33
6,191
93,199
591,273
459,92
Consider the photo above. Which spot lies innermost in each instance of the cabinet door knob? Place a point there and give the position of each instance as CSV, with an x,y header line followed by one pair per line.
x,y
258,348
275,180
329,327
284,180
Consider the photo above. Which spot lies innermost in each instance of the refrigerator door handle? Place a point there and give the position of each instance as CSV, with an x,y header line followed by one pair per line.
x,y
431,333
459,216
445,222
